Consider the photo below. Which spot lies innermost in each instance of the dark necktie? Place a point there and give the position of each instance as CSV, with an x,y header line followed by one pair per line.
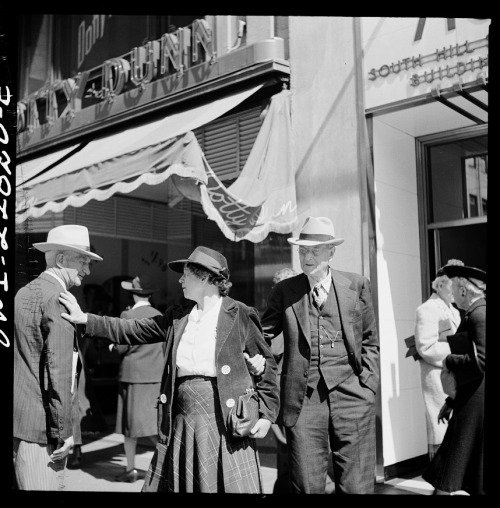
x,y
319,296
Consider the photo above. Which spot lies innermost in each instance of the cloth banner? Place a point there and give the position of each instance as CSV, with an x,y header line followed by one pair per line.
x,y
263,197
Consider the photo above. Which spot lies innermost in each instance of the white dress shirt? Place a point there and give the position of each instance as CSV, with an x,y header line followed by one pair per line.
x,y
196,351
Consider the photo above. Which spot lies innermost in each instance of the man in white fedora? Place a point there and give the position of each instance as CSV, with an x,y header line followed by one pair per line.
x,y
330,366
46,420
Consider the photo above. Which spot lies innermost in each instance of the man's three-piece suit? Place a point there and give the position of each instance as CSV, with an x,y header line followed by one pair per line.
x,y
329,379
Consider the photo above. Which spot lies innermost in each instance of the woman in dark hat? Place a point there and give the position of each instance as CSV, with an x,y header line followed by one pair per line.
x,y
209,342
141,368
458,465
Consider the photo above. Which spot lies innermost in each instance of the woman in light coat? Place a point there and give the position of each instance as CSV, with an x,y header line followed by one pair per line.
x,y
436,318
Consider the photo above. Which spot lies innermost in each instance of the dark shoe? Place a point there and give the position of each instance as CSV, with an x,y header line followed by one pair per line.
x,y
128,476
75,459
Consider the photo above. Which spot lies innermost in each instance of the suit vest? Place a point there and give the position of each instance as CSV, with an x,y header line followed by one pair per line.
x,y
329,358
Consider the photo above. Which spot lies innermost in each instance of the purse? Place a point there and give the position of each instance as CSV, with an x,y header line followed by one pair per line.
x,y
244,415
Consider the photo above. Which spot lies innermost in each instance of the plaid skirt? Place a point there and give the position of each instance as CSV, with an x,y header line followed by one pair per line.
x,y
202,456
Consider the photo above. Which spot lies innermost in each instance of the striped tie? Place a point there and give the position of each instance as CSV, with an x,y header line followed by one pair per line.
x,y
319,296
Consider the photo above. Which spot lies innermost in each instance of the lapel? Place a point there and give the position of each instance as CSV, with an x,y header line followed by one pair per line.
x,y
225,323
346,299
300,305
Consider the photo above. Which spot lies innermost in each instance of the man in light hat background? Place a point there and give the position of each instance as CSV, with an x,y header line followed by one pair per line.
x,y
46,416
330,366
141,368
458,465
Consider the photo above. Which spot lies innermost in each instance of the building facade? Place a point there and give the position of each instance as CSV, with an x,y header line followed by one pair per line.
x,y
160,133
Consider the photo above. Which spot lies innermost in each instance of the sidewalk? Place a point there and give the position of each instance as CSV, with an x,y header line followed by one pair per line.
x,y
104,458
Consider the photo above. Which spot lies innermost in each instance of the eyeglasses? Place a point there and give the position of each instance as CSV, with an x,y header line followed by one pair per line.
x,y
315,251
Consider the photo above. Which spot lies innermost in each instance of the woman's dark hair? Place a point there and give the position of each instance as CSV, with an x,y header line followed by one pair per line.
x,y
223,284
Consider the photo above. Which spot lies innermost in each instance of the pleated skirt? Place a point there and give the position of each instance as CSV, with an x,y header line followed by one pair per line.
x,y
202,457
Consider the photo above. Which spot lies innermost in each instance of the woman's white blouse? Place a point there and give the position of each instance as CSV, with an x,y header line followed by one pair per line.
x,y
196,351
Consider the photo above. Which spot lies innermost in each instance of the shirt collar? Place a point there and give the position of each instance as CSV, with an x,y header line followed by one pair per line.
x,y
140,304
52,274
326,282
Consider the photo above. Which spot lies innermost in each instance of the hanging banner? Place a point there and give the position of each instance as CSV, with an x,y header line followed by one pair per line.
x,y
263,198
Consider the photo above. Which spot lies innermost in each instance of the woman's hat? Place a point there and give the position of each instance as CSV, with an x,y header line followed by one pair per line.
x,y
210,259
140,285
472,274
316,231
68,237
450,262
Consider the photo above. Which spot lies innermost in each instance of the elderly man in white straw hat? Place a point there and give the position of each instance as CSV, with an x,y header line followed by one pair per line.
x,y
330,366
46,361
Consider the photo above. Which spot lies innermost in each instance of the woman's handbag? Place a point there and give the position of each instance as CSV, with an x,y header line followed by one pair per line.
x,y
245,414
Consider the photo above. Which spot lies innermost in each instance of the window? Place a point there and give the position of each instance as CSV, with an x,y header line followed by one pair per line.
x,y
454,192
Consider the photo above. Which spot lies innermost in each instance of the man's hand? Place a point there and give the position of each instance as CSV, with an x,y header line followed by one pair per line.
x,y
60,453
75,312
256,365
261,428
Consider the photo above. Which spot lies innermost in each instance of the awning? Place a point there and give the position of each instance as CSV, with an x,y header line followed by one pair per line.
x,y
27,170
261,200
123,161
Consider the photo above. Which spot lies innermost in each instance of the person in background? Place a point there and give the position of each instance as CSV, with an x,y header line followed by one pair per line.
x,y
330,366
436,318
46,420
458,465
204,375
139,379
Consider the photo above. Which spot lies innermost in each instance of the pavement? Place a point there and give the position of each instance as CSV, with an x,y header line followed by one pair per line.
x,y
103,459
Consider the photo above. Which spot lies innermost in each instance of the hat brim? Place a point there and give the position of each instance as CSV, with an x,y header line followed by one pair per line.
x,y
464,271
46,247
313,243
178,266
129,287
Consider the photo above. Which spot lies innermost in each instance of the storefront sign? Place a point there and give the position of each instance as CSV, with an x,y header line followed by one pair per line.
x,y
171,55
409,57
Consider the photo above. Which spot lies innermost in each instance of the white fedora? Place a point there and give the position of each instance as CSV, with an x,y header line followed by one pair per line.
x,y
68,237
316,231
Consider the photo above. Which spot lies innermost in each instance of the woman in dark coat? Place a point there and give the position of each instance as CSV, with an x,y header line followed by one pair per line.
x,y
459,462
208,342
141,368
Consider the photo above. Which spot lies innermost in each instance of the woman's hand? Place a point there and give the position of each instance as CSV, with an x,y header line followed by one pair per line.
x,y
63,451
256,365
261,428
75,312
444,413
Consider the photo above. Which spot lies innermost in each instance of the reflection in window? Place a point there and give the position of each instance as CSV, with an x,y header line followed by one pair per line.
x,y
458,176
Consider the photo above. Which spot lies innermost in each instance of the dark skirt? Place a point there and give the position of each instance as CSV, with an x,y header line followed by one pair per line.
x,y
201,456
459,461
136,413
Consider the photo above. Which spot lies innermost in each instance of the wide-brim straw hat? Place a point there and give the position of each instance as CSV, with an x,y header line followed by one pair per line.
x,y
316,231
210,259
140,285
68,237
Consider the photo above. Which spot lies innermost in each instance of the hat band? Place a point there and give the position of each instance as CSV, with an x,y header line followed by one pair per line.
x,y
209,262
316,238
83,247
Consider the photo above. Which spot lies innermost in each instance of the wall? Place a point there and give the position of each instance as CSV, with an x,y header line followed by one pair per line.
x,y
399,291
324,121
